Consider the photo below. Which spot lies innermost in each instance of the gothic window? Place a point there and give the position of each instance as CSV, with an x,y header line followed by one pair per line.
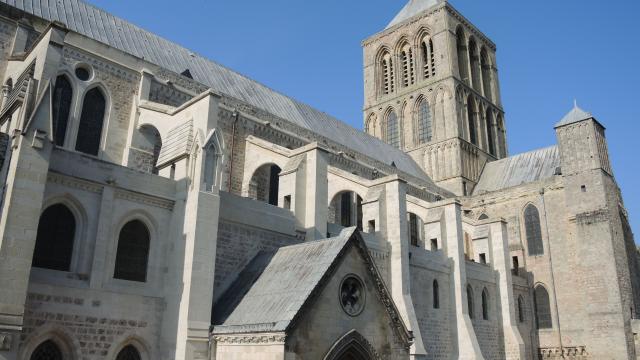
x,y
54,240
490,133
407,66
463,60
61,107
393,133
414,230
91,122
471,118
520,309
542,308
436,295
386,69
474,64
533,230
485,304
210,166
470,301
425,123
486,73
48,350
428,58
129,352
132,256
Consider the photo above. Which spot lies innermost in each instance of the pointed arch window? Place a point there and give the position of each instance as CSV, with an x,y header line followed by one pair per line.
x,y
48,350
91,122
542,308
470,301
533,230
490,132
212,153
486,73
387,74
132,256
61,107
485,304
471,118
474,64
407,66
414,229
393,133
428,58
129,352
436,294
463,58
55,238
425,123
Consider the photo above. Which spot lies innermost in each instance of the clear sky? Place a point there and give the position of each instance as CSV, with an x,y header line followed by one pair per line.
x,y
549,53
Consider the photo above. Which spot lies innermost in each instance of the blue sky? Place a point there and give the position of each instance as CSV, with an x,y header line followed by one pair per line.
x,y
549,53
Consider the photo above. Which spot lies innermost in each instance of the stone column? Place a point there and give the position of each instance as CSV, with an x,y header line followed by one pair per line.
x,y
499,246
311,194
467,343
396,230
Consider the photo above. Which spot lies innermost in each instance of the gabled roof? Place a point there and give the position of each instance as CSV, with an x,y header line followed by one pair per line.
x,y
271,293
520,169
575,115
177,145
104,27
413,8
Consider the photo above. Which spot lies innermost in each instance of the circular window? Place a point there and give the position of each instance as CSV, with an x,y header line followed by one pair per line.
x,y
352,295
83,72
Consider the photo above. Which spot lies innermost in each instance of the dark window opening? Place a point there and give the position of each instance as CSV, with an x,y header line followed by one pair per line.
x,y
54,240
48,350
345,209
485,304
533,230
83,73
434,244
132,255
274,185
372,227
542,308
414,231
61,107
516,265
287,202
470,301
91,122
520,309
436,294
483,258
128,353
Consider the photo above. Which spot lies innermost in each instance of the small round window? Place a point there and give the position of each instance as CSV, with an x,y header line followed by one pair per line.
x,y
83,72
352,295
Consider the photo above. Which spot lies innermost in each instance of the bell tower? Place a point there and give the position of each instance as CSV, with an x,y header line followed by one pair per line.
x,y
431,89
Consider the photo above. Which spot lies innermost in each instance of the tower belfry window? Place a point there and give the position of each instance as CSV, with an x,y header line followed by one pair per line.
x,y
387,74
407,66
428,58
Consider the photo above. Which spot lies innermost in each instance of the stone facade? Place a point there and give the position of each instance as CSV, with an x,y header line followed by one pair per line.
x,y
474,253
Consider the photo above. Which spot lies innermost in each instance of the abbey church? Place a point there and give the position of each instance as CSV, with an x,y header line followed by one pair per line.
x,y
156,205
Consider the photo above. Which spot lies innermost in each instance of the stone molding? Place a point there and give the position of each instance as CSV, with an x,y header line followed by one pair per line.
x,y
255,339
144,199
6,341
74,183
572,352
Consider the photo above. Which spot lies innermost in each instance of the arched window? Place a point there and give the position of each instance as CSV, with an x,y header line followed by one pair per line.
x,y
210,166
132,255
48,350
428,58
486,73
490,133
474,64
463,59
129,352
61,107
533,230
386,69
265,184
414,229
407,66
91,122
54,240
520,309
393,133
425,123
436,295
542,307
471,118
345,209
485,304
470,301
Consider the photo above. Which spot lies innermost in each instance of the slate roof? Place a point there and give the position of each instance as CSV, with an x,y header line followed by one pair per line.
x,y
271,290
575,115
177,144
102,26
518,170
413,8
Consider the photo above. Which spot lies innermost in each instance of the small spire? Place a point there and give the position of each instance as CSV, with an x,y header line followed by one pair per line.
x,y
575,103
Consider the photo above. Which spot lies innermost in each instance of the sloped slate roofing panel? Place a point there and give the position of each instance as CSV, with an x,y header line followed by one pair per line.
x,y
518,170
131,39
413,8
272,289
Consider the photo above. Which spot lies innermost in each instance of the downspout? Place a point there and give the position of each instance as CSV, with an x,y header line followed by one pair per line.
x,y
235,116
553,279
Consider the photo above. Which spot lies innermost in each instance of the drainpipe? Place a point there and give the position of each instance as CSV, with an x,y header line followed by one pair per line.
x,y
553,279
235,116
